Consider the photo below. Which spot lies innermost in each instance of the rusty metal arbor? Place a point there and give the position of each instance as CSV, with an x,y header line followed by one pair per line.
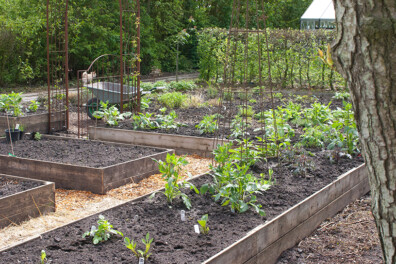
x,y
248,21
113,78
57,65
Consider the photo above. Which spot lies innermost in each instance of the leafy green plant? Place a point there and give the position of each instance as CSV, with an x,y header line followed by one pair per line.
x,y
111,114
168,121
342,95
143,121
172,100
33,106
11,103
170,169
130,244
146,86
278,95
232,184
182,86
103,232
239,188
37,136
208,124
245,111
239,127
303,164
203,224
43,257
145,103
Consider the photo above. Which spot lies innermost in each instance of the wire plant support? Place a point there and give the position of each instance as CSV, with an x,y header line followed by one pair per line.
x,y
57,63
113,78
248,20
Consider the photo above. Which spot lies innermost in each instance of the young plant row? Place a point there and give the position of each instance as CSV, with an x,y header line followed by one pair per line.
x,y
12,104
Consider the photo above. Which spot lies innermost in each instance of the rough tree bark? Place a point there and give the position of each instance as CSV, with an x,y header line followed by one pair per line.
x,y
365,53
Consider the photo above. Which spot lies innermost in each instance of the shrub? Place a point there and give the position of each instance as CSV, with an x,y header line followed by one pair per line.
x,y
172,100
182,86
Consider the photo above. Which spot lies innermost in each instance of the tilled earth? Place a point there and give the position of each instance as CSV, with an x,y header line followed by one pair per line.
x,y
9,186
175,241
76,152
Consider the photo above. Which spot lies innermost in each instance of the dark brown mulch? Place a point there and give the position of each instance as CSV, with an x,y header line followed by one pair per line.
x,y
175,241
9,186
76,152
349,237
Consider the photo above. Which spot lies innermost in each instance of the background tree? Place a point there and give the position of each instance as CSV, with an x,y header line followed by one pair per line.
x,y
365,54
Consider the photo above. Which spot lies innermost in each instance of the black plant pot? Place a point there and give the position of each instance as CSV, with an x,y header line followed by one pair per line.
x,y
14,134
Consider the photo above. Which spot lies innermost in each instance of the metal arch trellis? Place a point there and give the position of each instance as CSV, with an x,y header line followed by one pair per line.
x,y
236,90
57,65
113,77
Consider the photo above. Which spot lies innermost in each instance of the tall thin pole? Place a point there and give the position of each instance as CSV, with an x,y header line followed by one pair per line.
x,y
138,56
67,62
48,71
121,62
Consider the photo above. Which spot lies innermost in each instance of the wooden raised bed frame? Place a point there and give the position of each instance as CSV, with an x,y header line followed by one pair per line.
x,y
266,242
34,202
96,180
37,122
181,144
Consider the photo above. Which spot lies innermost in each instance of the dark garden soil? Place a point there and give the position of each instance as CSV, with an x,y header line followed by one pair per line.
x,y
76,152
9,186
175,241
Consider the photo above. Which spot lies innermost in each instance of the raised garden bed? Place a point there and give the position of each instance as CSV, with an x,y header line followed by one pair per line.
x,y
80,164
294,207
36,122
181,144
21,199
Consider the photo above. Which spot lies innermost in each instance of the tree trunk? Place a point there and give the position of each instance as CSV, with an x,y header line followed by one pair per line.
x,y
365,53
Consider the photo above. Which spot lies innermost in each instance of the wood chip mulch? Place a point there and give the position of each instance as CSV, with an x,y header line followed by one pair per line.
x,y
349,237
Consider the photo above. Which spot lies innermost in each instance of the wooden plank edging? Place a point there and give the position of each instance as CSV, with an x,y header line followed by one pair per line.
x,y
69,176
180,143
265,236
18,207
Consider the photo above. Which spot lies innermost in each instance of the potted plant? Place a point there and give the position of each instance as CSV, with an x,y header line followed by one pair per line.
x,y
13,103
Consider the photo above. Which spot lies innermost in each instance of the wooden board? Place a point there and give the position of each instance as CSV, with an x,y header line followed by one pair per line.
x,y
21,206
36,122
96,180
266,242
181,144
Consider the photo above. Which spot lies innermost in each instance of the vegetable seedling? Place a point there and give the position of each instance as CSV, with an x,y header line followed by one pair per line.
x,y
131,244
43,257
103,232
203,227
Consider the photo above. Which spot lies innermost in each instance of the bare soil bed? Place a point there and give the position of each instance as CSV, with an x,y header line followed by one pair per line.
x,y
9,186
76,152
175,241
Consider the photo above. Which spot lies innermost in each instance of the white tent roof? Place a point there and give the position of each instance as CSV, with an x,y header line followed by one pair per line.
x,y
320,9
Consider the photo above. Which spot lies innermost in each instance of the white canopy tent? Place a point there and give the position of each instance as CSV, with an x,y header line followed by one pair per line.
x,y
320,14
